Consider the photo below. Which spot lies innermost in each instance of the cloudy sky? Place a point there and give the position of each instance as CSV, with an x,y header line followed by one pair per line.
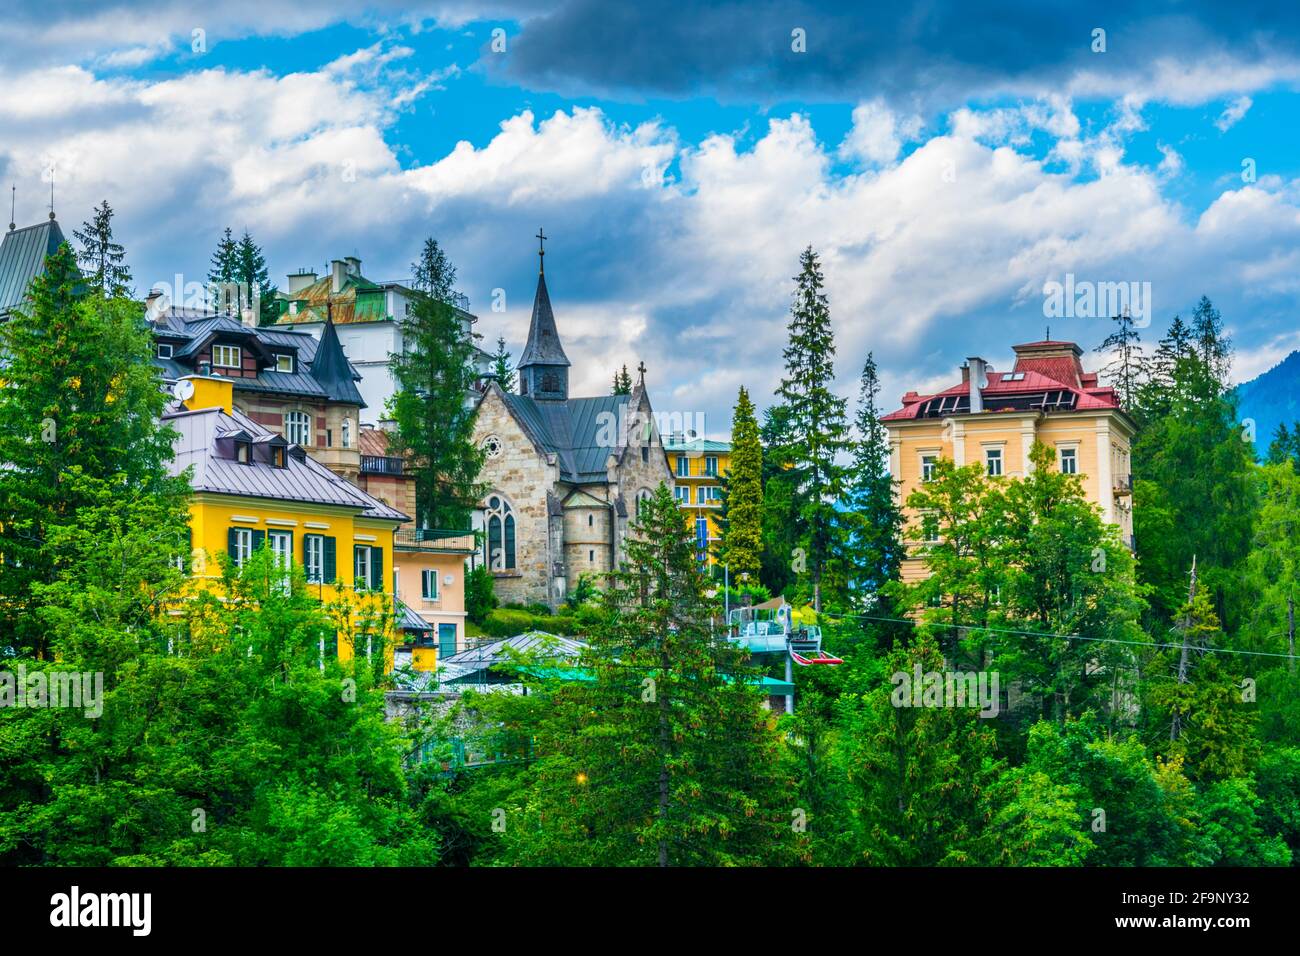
x,y
946,162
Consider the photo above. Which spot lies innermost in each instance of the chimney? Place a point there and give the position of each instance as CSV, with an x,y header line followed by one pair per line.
x,y
338,275
977,379
248,317
301,279
965,373
153,305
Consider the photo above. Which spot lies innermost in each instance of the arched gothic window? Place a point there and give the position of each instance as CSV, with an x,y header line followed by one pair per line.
x,y
499,546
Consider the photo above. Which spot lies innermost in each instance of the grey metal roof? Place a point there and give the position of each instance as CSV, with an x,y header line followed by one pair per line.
x,y
408,620
196,329
494,652
22,258
573,431
302,478
543,346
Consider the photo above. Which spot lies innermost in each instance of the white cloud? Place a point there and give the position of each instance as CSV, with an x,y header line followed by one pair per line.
x,y
878,133
1232,113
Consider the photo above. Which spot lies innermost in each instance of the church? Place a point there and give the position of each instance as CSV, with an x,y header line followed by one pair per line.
x,y
565,475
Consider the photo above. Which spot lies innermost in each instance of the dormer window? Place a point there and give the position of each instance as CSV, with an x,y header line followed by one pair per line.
x,y
284,363
278,457
226,356
164,350
244,452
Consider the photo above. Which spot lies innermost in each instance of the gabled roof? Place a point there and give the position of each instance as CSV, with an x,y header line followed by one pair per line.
x,y
576,431
302,479
543,346
22,259
191,330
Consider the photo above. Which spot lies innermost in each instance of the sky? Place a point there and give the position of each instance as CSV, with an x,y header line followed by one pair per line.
x,y
947,161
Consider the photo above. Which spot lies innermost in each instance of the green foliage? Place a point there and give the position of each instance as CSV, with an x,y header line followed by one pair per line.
x,y
480,596
434,375
103,256
502,370
622,382
742,513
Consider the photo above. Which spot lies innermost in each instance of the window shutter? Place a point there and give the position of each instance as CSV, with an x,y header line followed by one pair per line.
x,y
259,538
232,540
330,559
377,569
188,554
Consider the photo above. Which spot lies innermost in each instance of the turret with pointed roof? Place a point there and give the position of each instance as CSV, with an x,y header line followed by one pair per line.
x,y
331,370
22,258
543,366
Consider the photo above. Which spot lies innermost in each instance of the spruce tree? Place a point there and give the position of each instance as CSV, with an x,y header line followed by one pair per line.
x,y
817,432
224,270
622,382
102,256
1124,370
502,370
435,375
872,547
255,282
665,755
742,514
80,440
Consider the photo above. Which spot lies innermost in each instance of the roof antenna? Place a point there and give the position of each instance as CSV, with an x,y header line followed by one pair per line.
x,y
1049,333
51,190
13,201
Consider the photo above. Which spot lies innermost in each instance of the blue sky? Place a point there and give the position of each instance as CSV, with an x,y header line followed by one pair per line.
x,y
946,161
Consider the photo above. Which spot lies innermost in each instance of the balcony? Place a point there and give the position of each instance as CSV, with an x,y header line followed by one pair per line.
x,y
1123,485
435,539
381,465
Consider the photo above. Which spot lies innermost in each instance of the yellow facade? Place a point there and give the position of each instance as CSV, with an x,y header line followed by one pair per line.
x,y
356,604
1093,441
698,467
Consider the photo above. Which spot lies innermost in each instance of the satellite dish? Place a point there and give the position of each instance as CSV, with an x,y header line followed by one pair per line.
x,y
183,390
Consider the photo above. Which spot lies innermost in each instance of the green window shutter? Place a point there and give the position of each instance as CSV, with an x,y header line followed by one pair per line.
x,y
231,538
330,561
259,538
376,569
188,553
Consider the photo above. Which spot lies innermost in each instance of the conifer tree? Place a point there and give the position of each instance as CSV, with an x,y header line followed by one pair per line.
x,y
502,370
255,282
872,548
622,382
742,514
665,756
1124,370
434,376
817,431
79,433
102,256
224,270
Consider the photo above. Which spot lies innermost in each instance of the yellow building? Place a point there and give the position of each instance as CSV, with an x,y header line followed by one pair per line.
x,y
993,418
253,489
429,568
698,467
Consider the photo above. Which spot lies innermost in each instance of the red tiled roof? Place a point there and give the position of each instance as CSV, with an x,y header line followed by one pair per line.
x,y
1034,381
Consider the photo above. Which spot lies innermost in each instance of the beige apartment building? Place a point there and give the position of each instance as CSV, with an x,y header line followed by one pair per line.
x,y
993,418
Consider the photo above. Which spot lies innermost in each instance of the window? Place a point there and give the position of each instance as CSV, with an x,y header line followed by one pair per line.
x,y
242,542
591,556
313,547
642,499
347,433
361,567
591,521
164,350
281,543
429,584
993,461
683,467
645,453
500,543
244,452
446,640
284,363
927,466
297,428
1069,461
278,457
226,356
930,528
713,492
711,466
682,493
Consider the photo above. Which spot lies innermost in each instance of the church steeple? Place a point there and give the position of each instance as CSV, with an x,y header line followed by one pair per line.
x,y
543,366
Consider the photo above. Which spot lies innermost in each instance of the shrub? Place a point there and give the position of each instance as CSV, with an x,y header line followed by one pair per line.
x,y
480,600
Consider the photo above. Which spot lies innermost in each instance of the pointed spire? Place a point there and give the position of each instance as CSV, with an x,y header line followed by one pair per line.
x,y
543,366
330,368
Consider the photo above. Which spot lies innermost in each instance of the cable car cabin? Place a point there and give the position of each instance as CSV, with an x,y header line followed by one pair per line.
x,y
768,630
806,647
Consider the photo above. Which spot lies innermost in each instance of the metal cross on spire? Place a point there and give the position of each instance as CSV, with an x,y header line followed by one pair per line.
x,y
641,368
541,250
